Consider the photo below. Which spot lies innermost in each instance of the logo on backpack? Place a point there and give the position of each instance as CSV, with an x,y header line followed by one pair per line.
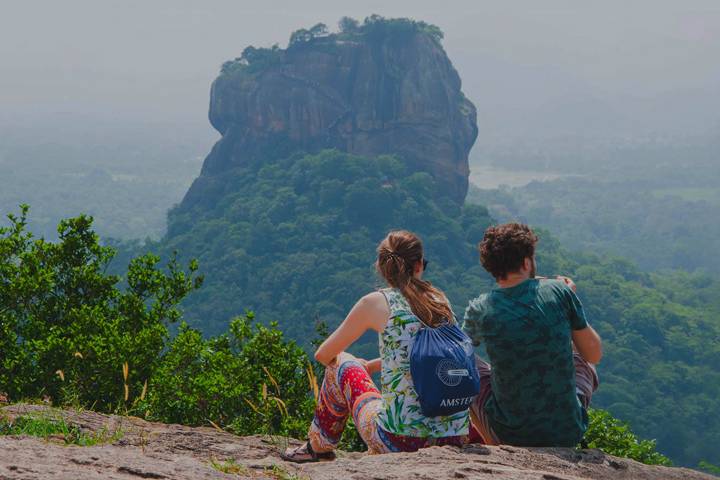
x,y
456,402
450,373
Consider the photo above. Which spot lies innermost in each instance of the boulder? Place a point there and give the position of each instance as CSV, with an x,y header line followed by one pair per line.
x,y
390,93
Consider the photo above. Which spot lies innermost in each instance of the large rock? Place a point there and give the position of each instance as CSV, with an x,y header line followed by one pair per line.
x,y
159,451
370,95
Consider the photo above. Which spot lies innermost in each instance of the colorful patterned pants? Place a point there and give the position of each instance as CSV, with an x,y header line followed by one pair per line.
x,y
586,380
347,389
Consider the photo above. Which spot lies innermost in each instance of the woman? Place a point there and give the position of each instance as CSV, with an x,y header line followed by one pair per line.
x,y
388,420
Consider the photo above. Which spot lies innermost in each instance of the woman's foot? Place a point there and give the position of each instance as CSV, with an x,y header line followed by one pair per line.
x,y
304,453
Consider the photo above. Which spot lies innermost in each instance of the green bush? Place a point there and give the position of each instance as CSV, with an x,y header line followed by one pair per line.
x,y
709,468
69,332
250,380
614,437
77,335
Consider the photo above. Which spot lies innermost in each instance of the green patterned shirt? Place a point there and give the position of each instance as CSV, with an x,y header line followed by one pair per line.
x,y
526,331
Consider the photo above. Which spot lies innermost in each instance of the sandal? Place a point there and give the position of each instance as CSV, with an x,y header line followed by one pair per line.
x,y
304,454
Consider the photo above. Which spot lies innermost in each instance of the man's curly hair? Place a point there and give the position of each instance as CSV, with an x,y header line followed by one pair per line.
x,y
505,247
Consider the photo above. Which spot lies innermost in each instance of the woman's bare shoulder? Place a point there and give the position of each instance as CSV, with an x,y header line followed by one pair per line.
x,y
374,300
374,308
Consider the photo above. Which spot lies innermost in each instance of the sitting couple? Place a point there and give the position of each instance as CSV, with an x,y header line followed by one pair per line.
x,y
540,346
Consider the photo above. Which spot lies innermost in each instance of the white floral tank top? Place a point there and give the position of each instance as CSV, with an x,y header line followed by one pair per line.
x,y
401,413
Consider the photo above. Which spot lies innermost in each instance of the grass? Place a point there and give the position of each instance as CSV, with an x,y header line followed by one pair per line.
x,y
279,473
54,426
229,466
276,472
279,442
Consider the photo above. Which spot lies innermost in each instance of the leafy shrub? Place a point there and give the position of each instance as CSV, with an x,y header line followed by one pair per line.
x,y
250,380
615,437
71,333
709,468
67,327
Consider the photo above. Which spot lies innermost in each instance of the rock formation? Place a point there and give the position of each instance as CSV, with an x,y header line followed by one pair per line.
x,y
387,90
152,450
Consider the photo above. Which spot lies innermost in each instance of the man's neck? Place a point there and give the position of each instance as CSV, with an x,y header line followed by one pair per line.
x,y
512,279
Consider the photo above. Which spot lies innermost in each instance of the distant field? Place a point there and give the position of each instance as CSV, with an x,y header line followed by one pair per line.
x,y
710,195
484,176
128,192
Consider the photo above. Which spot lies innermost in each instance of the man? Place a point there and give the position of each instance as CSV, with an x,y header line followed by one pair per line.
x,y
540,346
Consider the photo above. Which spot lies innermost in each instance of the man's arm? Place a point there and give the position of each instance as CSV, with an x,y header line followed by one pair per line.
x,y
474,314
585,339
588,344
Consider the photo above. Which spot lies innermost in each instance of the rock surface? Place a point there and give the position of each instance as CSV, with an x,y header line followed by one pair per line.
x,y
366,95
159,451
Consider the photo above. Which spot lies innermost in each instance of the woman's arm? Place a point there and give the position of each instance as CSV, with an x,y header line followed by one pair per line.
x,y
370,312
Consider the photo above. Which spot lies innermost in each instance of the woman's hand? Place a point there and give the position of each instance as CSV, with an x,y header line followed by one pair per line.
x,y
372,366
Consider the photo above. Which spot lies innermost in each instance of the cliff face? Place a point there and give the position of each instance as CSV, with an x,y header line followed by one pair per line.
x,y
138,449
382,95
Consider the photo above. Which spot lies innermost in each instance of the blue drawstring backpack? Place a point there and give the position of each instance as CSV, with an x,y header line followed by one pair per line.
x,y
442,366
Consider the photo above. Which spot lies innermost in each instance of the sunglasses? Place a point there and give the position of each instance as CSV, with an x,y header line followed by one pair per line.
x,y
425,264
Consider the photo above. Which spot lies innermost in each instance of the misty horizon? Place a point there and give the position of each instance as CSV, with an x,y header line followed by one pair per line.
x,y
536,74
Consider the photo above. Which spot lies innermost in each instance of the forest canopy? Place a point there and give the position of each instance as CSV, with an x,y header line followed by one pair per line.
x,y
295,240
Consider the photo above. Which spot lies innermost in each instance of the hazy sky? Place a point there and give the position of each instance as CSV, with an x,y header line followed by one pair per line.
x,y
533,69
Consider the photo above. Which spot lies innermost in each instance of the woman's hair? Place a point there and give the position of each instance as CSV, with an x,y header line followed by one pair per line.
x,y
398,254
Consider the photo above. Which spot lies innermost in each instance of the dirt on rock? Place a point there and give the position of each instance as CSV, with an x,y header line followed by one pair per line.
x,y
137,449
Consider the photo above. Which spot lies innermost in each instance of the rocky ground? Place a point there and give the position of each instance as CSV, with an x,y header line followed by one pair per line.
x,y
136,449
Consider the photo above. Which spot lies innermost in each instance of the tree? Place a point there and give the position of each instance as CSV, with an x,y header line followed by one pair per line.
x,y
301,35
318,30
348,25
68,330
304,35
